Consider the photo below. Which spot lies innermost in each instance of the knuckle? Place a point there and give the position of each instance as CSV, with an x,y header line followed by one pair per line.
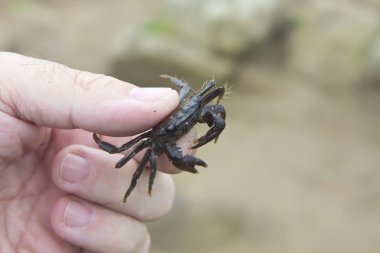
x,y
86,80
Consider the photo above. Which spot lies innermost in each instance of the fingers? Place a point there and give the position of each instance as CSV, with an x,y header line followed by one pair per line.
x,y
98,229
90,174
53,95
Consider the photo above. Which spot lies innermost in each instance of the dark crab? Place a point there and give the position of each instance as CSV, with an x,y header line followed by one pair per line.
x,y
162,138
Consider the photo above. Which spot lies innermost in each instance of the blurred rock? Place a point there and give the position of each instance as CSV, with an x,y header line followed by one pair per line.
x,y
331,41
196,39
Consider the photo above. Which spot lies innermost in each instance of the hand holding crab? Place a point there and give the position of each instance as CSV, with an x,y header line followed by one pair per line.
x,y
162,138
55,183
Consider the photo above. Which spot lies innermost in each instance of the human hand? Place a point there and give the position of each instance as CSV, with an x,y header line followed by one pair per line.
x,y
58,191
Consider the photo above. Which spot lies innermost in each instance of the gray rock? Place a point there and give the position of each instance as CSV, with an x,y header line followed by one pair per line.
x,y
196,39
331,42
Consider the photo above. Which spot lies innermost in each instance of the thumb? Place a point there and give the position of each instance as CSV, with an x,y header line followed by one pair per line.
x,y
53,95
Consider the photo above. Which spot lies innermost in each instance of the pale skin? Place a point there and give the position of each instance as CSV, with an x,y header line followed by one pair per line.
x,y
58,191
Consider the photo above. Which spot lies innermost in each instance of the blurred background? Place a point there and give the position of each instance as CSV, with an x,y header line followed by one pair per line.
x,y
298,167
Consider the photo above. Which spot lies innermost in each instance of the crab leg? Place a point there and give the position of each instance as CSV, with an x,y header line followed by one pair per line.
x,y
108,147
214,116
184,87
218,92
140,146
153,170
112,149
132,142
137,174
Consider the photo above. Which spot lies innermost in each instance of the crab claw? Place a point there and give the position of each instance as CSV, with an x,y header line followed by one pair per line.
x,y
188,163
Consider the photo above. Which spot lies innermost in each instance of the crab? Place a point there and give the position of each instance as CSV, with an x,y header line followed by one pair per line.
x,y
193,108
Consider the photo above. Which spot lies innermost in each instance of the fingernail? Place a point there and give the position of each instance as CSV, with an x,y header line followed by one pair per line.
x,y
76,213
149,94
74,168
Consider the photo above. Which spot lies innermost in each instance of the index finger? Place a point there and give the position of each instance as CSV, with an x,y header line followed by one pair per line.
x,y
53,95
